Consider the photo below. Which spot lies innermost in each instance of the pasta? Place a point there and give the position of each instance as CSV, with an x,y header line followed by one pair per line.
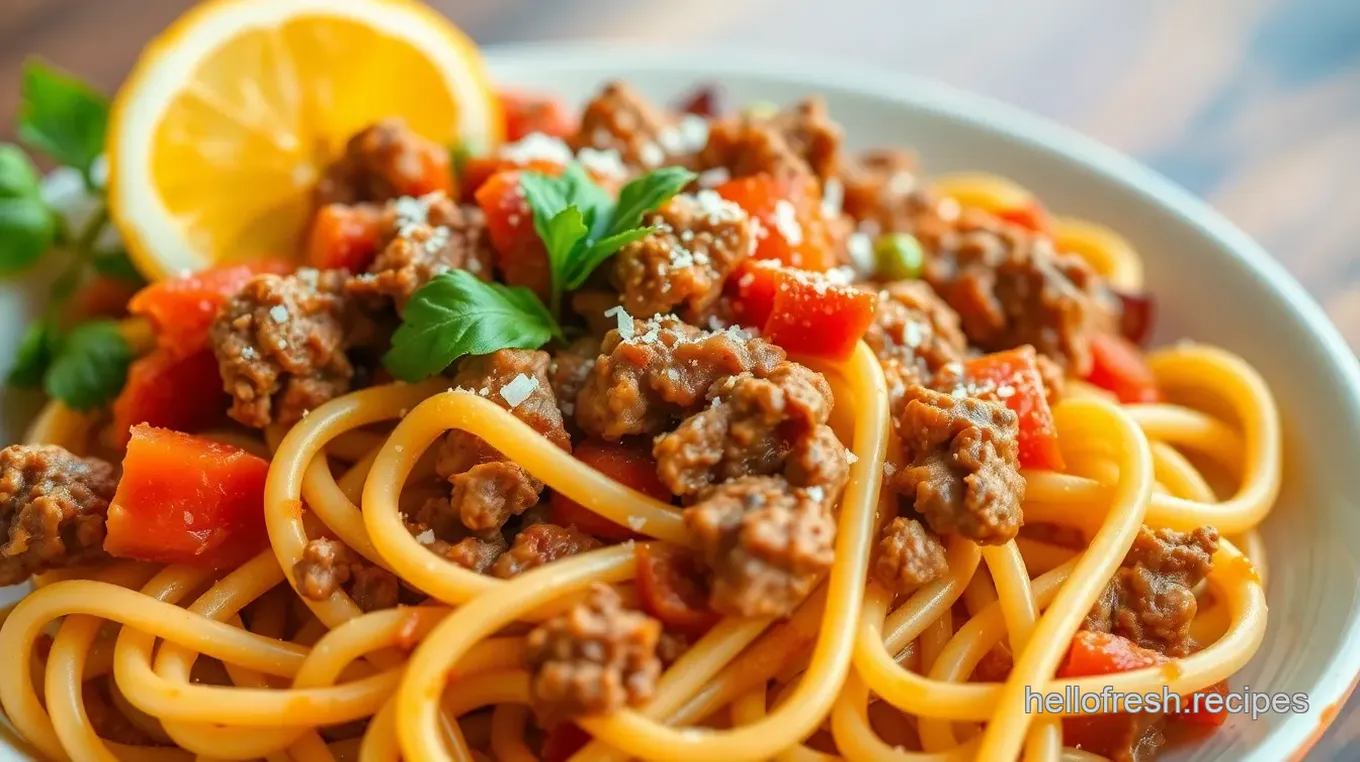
x,y
249,661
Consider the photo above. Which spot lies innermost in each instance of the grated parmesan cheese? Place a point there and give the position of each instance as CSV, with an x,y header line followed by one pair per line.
x,y
518,390
717,208
636,523
426,537
712,178
537,147
651,155
602,161
851,458
279,313
833,197
816,493
625,321
786,222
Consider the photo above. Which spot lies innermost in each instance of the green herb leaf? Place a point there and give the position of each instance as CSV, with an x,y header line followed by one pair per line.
x,y
455,314
34,355
62,117
115,264
90,365
27,226
646,193
585,263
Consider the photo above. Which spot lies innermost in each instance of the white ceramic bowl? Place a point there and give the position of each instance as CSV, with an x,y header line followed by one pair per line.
x,y
1212,283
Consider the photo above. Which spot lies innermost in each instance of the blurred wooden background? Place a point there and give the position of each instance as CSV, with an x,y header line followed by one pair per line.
x,y
1252,104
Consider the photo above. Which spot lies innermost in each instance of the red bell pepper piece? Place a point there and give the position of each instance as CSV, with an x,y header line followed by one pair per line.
x,y
344,237
182,309
184,499
1102,653
532,112
1118,366
170,392
629,466
1012,378
800,311
670,588
520,254
794,228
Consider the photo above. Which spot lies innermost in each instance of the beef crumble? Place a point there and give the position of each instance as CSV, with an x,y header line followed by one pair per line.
x,y
798,141
914,335
909,556
751,427
487,488
883,189
1150,600
660,371
766,543
568,371
541,544
698,239
593,659
328,565
426,236
1010,287
53,507
964,473
622,120
380,163
280,345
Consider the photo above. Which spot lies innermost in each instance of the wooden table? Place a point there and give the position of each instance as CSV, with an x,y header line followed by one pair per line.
x,y
1253,104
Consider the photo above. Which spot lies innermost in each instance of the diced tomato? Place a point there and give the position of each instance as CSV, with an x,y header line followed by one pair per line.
x,y
170,392
184,499
1203,715
435,172
532,112
344,237
670,587
563,740
182,309
751,289
800,311
1030,215
795,230
520,255
1102,653
1012,378
630,466
477,171
1118,366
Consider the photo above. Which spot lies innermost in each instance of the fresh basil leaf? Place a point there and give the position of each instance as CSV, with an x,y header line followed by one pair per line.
x,y
565,234
116,265
90,365
585,263
27,229
455,314
18,176
34,355
595,203
62,117
646,193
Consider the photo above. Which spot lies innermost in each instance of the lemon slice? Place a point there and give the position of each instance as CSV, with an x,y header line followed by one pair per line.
x,y
232,114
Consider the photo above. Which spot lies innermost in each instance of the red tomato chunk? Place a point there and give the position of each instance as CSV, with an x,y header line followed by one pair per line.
x,y
805,313
1012,377
187,500
629,466
1119,367
670,588
182,309
170,392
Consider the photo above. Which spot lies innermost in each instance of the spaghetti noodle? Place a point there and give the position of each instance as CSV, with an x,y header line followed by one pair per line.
x,y
809,647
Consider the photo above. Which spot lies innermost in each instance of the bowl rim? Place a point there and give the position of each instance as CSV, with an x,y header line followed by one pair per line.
x,y
1339,677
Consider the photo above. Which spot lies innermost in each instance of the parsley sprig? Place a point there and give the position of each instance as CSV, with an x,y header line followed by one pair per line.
x,y
581,226
62,118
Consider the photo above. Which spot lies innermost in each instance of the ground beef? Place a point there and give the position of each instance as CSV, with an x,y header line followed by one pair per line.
x,y
328,565
594,659
621,119
280,345
909,556
749,428
1149,600
766,543
52,509
914,335
1010,287
541,544
426,236
472,553
698,239
799,140
642,383
568,372
380,163
487,488
882,188
964,473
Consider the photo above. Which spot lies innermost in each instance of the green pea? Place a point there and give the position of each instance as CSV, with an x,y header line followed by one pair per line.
x,y
898,256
